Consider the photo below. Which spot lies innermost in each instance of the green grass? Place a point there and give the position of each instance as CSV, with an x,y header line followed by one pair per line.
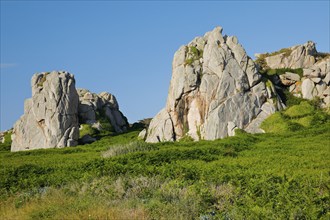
x,y
304,115
277,175
303,109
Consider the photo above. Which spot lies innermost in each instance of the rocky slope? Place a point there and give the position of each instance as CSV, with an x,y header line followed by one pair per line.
x,y
56,111
315,69
215,88
51,116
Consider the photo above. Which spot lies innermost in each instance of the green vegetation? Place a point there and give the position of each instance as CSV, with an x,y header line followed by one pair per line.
x,y
269,84
301,110
87,129
107,128
261,61
272,72
285,51
193,54
7,142
42,80
297,117
291,100
283,174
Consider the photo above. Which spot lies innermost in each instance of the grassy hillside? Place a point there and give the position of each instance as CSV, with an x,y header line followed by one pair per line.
x,y
284,174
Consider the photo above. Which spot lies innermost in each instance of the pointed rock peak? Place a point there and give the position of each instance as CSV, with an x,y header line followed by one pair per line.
x,y
218,29
215,36
310,44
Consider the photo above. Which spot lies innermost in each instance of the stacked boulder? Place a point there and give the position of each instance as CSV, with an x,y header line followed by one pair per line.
x,y
93,106
316,82
215,89
316,71
51,116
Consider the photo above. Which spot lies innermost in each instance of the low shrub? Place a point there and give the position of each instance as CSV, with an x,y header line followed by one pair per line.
x,y
87,129
193,54
267,72
304,108
291,100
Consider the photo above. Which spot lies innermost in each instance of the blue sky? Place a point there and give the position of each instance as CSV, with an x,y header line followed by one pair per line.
x,y
126,47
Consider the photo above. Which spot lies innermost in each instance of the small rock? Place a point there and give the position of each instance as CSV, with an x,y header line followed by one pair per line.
x,y
320,88
143,134
316,72
292,88
291,76
231,128
307,89
307,72
87,139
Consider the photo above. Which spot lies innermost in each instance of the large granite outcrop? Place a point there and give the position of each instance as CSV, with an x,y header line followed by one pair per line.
x,y
215,88
50,117
93,107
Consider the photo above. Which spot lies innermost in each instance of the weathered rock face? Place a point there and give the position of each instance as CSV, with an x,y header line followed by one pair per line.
x,y
300,56
93,106
215,88
50,117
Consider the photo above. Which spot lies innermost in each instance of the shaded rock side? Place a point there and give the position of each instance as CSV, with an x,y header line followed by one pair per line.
x,y
50,117
95,107
215,89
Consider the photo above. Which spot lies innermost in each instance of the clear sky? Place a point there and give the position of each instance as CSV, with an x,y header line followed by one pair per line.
x,y
126,47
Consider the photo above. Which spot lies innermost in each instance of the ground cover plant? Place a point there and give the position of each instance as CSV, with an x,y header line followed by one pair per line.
x,y
283,174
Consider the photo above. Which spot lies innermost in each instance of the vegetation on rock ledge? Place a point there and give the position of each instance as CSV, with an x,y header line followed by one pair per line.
x,y
193,54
